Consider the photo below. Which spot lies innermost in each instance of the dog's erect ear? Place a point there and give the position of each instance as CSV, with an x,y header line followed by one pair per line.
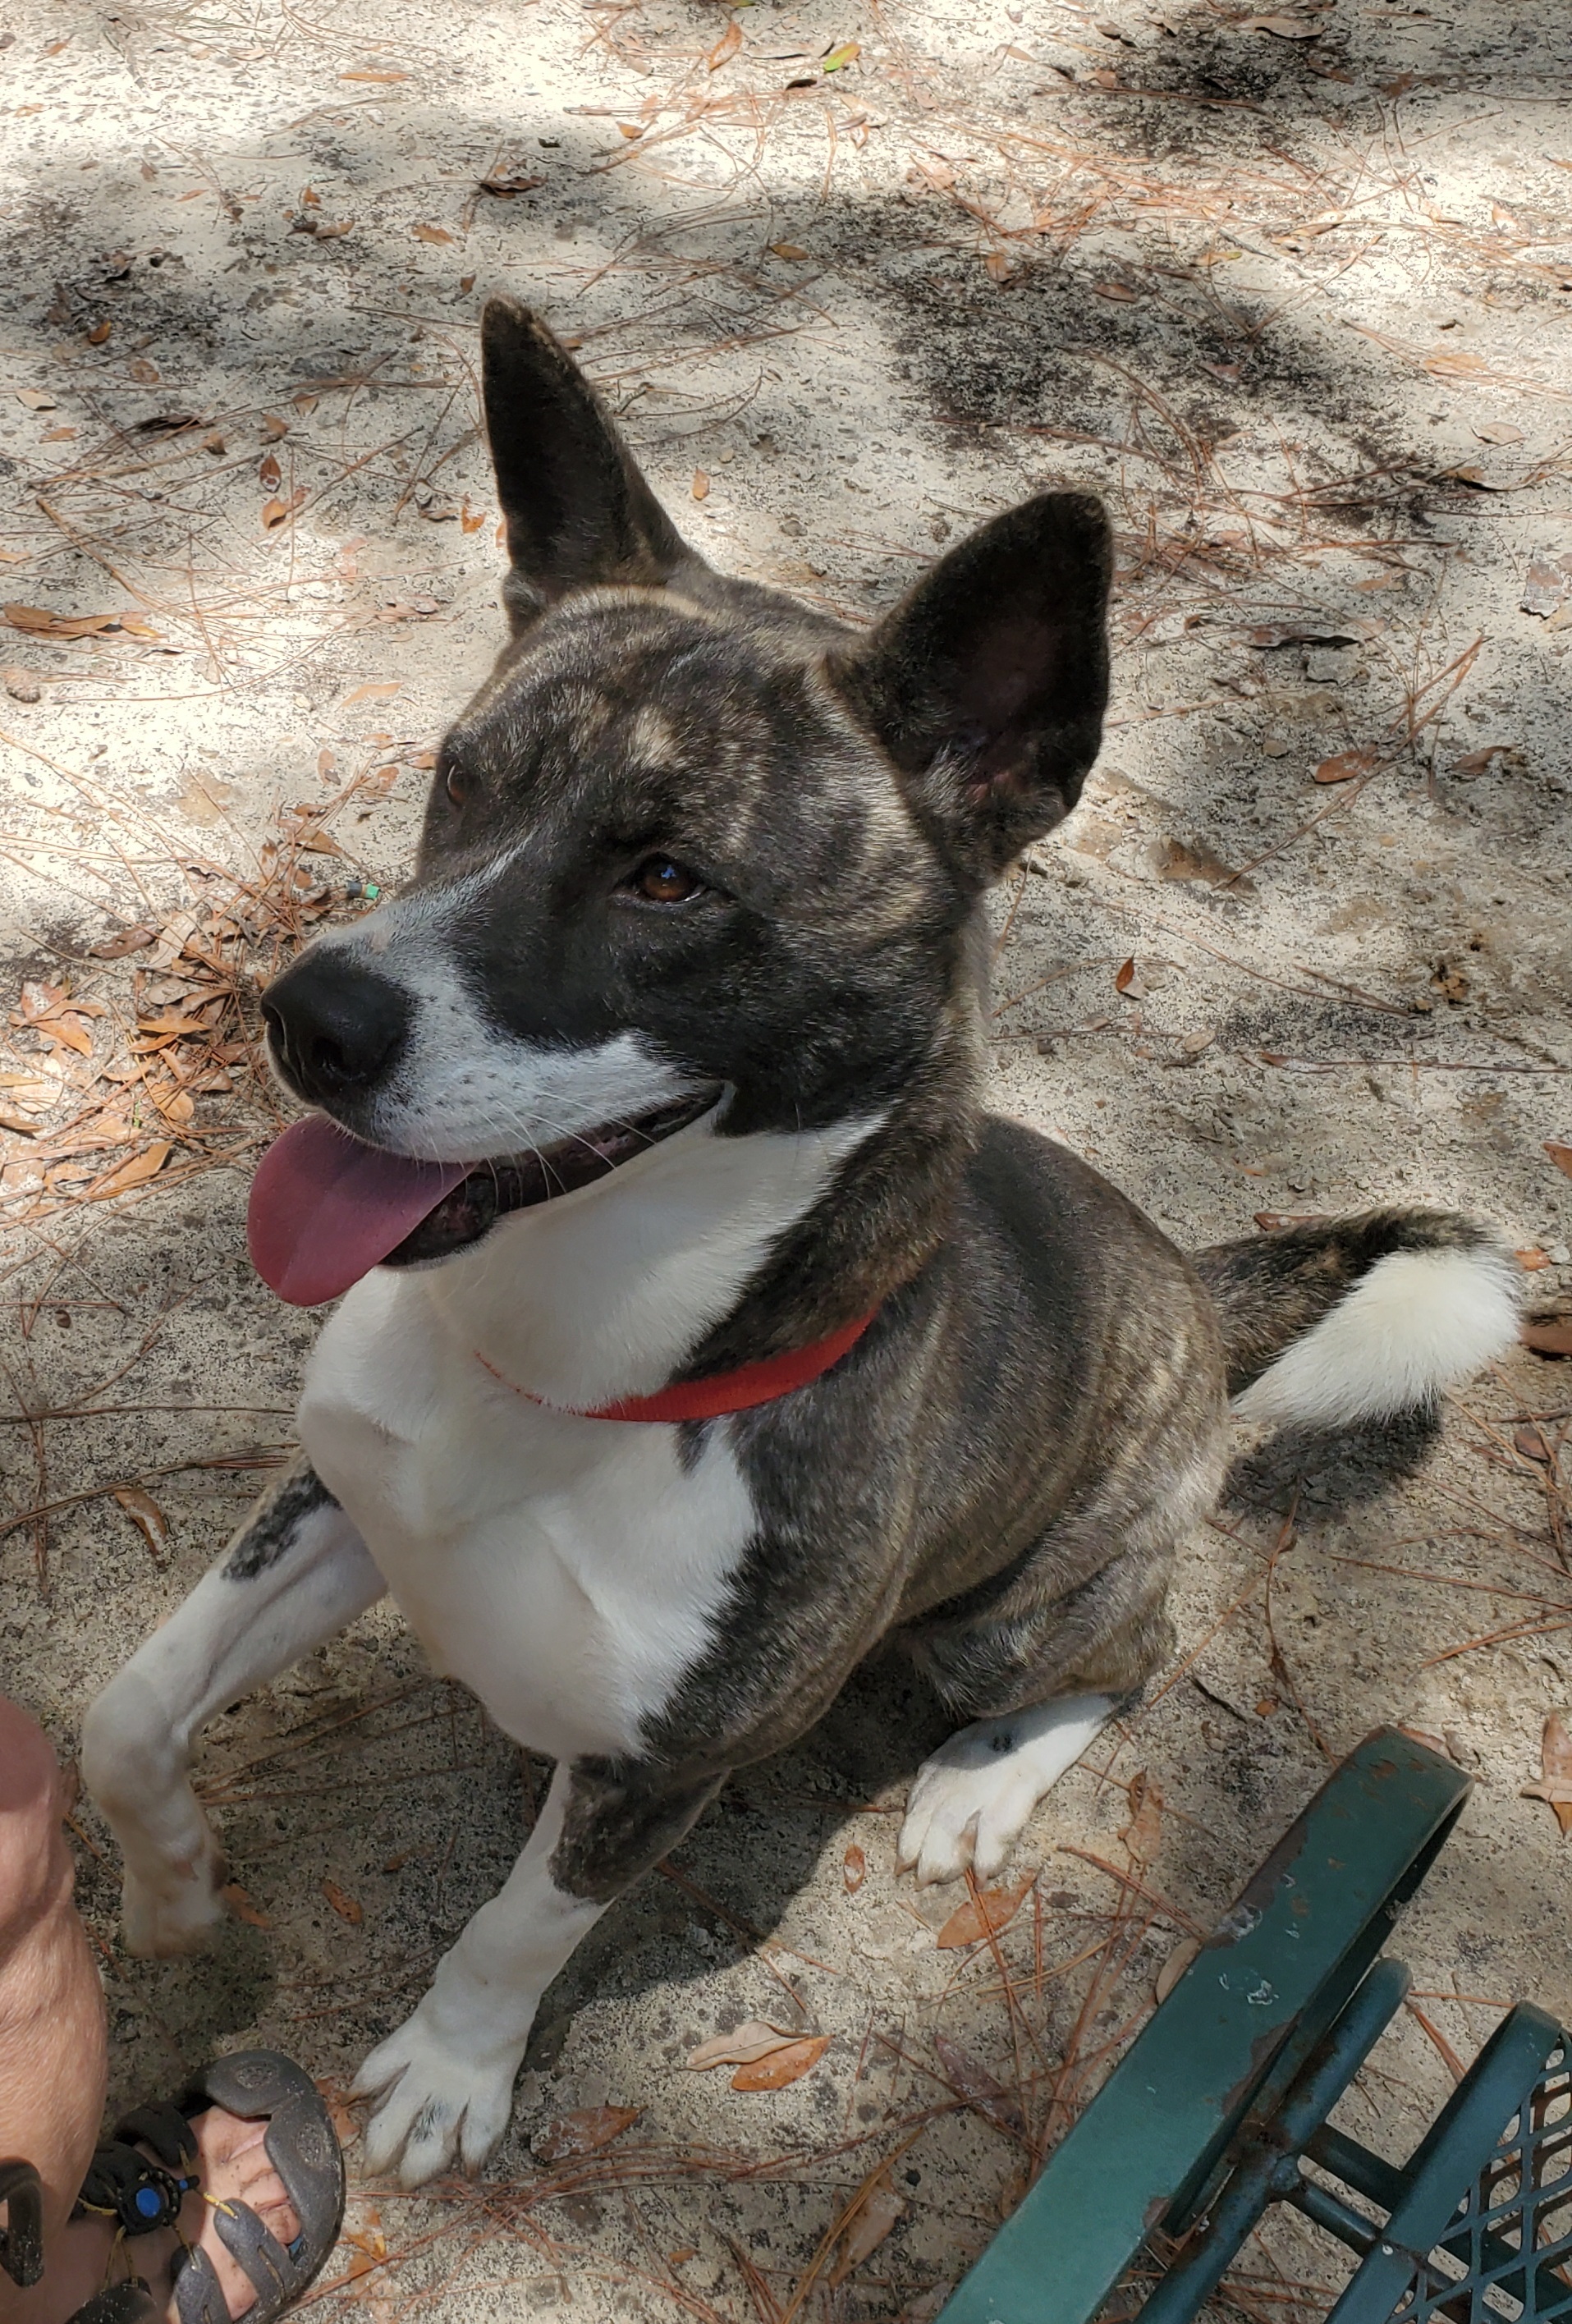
x,y
579,513
986,684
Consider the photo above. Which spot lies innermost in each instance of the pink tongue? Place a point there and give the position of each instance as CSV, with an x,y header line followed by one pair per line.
x,y
324,1209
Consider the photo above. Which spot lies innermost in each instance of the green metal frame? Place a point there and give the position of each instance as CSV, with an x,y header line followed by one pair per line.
x,y
1205,2120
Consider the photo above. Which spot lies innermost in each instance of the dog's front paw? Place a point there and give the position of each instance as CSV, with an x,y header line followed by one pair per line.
x,y
971,1801
176,1914
441,2101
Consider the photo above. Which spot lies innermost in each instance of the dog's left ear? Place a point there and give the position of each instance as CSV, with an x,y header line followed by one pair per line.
x,y
580,514
986,684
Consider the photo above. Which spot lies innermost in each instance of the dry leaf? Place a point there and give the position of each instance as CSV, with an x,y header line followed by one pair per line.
x,y
743,2046
135,1173
726,47
632,128
1497,431
1531,1445
1554,1784
853,1869
431,234
381,690
782,2066
881,2209
1345,767
791,251
66,1029
1179,859
146,374
1286,28
348,1908
241,1906
274,512
701,485
982,1915
1113,291
345,2128
1143,1835
274,426
1531,1259
1548,1335
1194,1043
979,2088
374,76
147,1517
268,473
38,622
36,400
1126,981
584,2132
1175,1967
505,183
1478,762
1561,1154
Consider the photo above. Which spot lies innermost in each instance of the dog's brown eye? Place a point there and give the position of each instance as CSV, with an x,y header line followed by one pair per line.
x,y
660,881
455,785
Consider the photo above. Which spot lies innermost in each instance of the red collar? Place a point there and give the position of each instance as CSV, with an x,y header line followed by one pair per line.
x,y
722,1392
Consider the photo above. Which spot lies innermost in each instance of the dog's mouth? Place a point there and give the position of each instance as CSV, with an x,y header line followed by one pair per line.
x,y
326,1208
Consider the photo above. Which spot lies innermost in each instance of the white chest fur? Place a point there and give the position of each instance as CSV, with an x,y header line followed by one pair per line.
x,y
568,1570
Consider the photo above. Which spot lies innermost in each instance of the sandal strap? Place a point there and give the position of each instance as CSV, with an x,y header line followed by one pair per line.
x,y
22,2237
298,2140
122,2184
130,2303
198,2298
162,2126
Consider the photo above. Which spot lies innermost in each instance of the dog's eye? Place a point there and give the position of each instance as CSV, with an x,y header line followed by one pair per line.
x,y
660,881
456,786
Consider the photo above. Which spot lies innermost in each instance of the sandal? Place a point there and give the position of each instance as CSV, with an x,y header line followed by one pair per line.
x,y
142,2195
22,2236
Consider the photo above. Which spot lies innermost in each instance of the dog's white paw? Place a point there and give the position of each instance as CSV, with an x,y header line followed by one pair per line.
x,y
177,1913
442,2101
970,1801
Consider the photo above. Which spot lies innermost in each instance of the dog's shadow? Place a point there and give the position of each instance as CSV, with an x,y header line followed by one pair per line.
x,y
735,1876
1331,1472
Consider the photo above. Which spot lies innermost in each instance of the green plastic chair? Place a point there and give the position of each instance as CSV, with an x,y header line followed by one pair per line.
x,y
1210,2116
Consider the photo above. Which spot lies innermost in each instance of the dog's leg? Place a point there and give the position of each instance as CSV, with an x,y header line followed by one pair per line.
x,y
446,2075
972,1798
295,1574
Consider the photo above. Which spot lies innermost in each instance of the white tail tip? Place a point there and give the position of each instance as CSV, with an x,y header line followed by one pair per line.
x,y
1419,1321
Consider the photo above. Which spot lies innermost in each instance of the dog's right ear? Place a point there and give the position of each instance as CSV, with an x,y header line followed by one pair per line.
x,y
579,513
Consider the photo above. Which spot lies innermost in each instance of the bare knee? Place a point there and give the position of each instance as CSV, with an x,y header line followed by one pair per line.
x,y
34,1867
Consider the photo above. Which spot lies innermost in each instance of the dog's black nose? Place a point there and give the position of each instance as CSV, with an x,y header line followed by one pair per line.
x,y
335,1027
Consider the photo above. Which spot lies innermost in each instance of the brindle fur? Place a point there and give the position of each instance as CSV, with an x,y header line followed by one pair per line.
x,y
998,1475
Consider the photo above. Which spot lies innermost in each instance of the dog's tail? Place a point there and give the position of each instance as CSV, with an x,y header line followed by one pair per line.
x,y
1344,1319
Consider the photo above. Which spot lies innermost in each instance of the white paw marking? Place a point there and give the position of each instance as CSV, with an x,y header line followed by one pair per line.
x,y
970,1801
177,1913
442,2101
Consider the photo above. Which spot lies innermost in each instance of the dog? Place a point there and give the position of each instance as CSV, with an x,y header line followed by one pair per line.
x,y
701,1331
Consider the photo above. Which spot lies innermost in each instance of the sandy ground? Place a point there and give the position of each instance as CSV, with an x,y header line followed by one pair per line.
x,y
1292,291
